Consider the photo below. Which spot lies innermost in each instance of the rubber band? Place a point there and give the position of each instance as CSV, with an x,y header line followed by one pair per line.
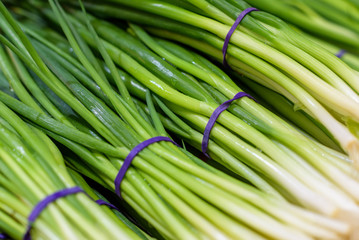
x,y
126,164
231,31
341,53
102,202
212,120
36,211
2,236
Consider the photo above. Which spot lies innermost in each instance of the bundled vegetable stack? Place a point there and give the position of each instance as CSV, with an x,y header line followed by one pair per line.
x,y
283,133
31,171
270,52
300,187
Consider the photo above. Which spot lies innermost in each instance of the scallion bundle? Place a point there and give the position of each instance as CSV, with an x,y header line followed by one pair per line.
x,y
31,168
197,108
265,49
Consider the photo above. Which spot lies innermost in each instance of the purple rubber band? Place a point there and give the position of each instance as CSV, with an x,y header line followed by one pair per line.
x,y
3,236
132,155
102,202
36,211
212,120
340,53
231,31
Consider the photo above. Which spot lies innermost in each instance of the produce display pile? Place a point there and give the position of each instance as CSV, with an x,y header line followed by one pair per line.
x,y
179,119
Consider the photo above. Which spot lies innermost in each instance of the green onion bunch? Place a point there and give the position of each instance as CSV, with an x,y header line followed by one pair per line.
x,y
265,49
100,122
282,148
31,168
